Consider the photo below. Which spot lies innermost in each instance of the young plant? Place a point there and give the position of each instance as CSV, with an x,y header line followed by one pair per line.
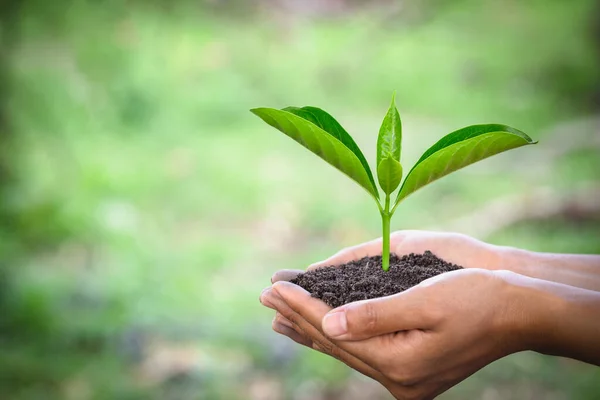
x,y
320,133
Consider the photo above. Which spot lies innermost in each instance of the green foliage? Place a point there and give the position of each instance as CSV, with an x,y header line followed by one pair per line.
x,y
389,174
326,122
319,132
459,149
389,147
389,141
324,143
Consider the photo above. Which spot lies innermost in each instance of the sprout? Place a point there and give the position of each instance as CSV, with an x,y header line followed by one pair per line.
x,y
320,133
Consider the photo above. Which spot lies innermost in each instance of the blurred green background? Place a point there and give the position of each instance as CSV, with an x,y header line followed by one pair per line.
x,y
143,208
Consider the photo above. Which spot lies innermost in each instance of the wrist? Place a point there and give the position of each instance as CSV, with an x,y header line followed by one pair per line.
x,y
548,317
520,261
528,311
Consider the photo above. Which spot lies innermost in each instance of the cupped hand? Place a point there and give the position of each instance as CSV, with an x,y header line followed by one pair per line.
x,y
300,316
452,247
417,343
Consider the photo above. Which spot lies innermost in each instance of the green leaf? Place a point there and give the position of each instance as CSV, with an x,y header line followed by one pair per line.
x,y
325,121
459,149
389,142
389,174
320,142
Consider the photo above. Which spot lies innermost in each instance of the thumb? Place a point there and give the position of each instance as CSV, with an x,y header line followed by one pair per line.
x,y
368,318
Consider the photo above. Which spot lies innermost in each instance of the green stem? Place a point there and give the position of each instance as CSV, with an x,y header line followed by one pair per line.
x,y
385,222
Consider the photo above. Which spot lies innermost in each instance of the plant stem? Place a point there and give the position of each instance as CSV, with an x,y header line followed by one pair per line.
x,y
385,222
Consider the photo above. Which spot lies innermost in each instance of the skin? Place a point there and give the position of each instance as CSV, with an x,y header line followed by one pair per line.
x,y
423,341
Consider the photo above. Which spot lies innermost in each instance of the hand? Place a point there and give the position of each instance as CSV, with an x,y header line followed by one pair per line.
x,y
423,341
577,270
417,343
452,247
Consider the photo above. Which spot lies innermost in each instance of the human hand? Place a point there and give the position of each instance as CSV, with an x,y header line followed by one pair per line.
x,y
578,270
455,248
452,247
417,343
421,342
571,269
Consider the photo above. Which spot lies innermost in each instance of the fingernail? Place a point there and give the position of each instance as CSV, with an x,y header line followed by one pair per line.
x,y
263,299
335,324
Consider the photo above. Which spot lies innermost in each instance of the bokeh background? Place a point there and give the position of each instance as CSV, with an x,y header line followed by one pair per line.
x,y
143,208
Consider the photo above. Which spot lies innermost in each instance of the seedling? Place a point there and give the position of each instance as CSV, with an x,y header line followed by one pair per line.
x,y
320,133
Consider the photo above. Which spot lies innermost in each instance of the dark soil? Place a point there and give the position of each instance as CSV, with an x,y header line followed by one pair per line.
x,y
364,279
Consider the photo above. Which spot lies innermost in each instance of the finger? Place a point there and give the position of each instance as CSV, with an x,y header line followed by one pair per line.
x,y
264,298
313,311
285,275
370,318
281,320
357,252
284,326
320,342
286,329
286,316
